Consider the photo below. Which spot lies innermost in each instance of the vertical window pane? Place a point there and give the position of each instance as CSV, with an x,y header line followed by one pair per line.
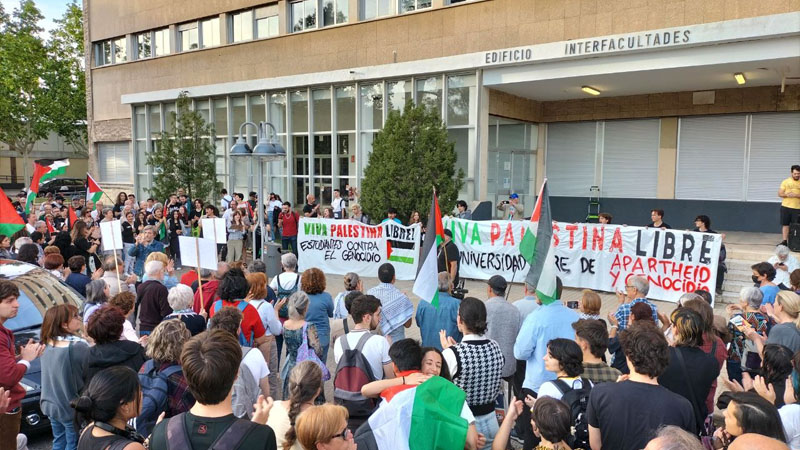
x,y
201,107
277,111
143,45
300,144
310,11
105,53
155,120
273,25
299,122
267,27
322,109
384,7
140,119
328,11
461,95
120,50
342,11
346,152
238,115
188,37
460,136
397,94
221,117
141,155
366,149
322,155
423,4
257,112
371,107
297,16
170,116
162,42
211,33
405,6
369,9
242,26
429,93
346,108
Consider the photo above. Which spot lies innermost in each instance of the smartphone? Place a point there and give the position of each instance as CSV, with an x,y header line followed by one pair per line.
x,y
573,304
737,320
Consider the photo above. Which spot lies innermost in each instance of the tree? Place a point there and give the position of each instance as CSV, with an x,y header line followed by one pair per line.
x,y
184,157
23,117
65,101
411,156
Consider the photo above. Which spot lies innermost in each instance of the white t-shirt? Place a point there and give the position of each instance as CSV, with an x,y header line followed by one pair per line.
x,y
288,281
549,388
338,204
790,416
271,323
782,276
376,350
254,361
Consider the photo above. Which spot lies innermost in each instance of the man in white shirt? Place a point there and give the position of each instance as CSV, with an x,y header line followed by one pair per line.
x,y
339,205
226,199
784,263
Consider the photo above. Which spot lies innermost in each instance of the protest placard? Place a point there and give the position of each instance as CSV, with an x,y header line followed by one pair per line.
x,y
214,229
111,235
198,252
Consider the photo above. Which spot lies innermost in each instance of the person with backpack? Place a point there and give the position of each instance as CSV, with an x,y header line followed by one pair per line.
x,y
305,385
211,364
253,379
565,359
234,291
361,357
259,292
284,285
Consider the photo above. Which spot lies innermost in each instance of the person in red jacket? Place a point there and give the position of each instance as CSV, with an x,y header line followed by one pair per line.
x,y
210,285
12,369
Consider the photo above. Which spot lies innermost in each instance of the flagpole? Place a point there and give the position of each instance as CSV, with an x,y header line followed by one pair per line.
x,y
444,244
199,278
114,247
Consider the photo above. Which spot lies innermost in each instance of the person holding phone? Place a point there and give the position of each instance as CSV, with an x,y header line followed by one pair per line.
x,y
742,352
784,263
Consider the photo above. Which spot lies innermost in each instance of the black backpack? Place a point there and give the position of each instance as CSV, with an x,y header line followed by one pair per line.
x,y
578,400
352,372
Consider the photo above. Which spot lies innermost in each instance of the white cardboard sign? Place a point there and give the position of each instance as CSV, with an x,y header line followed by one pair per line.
x,y
111,235
198,252
214,230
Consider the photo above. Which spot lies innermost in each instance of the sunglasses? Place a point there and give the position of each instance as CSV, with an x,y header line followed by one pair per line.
x,y
345,435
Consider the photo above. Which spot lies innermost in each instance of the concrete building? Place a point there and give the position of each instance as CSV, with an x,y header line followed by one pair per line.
x,y
690,106
12,164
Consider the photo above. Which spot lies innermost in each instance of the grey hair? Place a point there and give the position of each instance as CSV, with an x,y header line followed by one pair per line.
x,y
205,273
289,261
298,305
95,292
640,284
444,282
671,437
257,266
689,296
153,267
752,296
150,228
106,211
180,297
782,250
351,280
111,263
39,223
22,241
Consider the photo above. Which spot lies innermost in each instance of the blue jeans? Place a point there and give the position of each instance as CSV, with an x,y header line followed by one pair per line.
x,y
289,240
64,436
487,425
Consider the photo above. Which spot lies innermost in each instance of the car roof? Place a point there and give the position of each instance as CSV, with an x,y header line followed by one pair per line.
x,y
44,289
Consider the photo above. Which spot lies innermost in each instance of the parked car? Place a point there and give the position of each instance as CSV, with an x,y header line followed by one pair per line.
x,y
38,291
64,186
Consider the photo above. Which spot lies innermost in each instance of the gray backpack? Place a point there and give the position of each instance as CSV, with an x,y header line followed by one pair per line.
x,y
245,390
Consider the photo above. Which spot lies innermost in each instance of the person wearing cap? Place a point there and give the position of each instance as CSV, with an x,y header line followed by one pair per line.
x,y
512,208
550,321
449,252
391,214
502,321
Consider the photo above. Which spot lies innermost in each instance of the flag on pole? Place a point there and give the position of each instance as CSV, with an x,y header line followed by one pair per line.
x,y
93,191
426,285
427,417
537,249
10,221
72,218
43,170
50,228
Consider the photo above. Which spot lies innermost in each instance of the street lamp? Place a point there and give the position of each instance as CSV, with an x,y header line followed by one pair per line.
x,y
267,149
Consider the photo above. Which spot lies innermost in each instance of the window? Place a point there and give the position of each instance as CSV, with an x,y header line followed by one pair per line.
x,y
188,36
371,9
570,162
267,22
209,30
242,26
110,51
334,12
143,46
304,15
114,162
162,42
405,6
120,50
102,53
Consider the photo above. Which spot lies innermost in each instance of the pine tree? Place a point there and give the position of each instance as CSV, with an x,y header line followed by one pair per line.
x,y
411,156
184,157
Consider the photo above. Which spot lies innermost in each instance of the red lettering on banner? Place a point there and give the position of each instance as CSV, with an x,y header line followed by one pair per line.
x,y
616,263
651,264
556,240
616,241
598,238
705,274
677,268
509,237
637,266
495,233
585,236
571,228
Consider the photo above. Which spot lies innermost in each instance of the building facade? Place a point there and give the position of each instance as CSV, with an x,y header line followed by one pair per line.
x,y
688,106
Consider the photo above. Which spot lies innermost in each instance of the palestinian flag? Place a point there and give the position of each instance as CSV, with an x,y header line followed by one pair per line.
x,y
426,286
50,228
537,249
43,170
93,191
72,218
426,417
10,221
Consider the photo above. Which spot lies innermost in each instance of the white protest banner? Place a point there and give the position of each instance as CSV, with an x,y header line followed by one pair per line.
x,y
111,235
214,230
341,246
594,256
198,252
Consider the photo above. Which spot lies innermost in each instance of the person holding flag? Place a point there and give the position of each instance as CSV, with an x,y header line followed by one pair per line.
x,y
43,170
551,320
426,285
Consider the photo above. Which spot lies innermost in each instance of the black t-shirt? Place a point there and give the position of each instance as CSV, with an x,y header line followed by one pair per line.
x,y
203,431
663,225
309,208
629,413
702,368
127,232
452,255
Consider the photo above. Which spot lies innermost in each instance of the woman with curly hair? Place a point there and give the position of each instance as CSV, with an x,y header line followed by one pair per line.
x,y
164,350
305,384
320,307
564,358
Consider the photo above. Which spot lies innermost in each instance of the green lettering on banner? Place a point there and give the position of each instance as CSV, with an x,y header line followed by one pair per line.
x,y
463,230
316,229
476,235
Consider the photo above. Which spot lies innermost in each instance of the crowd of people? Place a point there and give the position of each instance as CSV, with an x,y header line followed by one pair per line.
x,y
233,358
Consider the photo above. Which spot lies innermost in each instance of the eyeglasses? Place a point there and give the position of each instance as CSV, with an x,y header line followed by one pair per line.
x,y
345,435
